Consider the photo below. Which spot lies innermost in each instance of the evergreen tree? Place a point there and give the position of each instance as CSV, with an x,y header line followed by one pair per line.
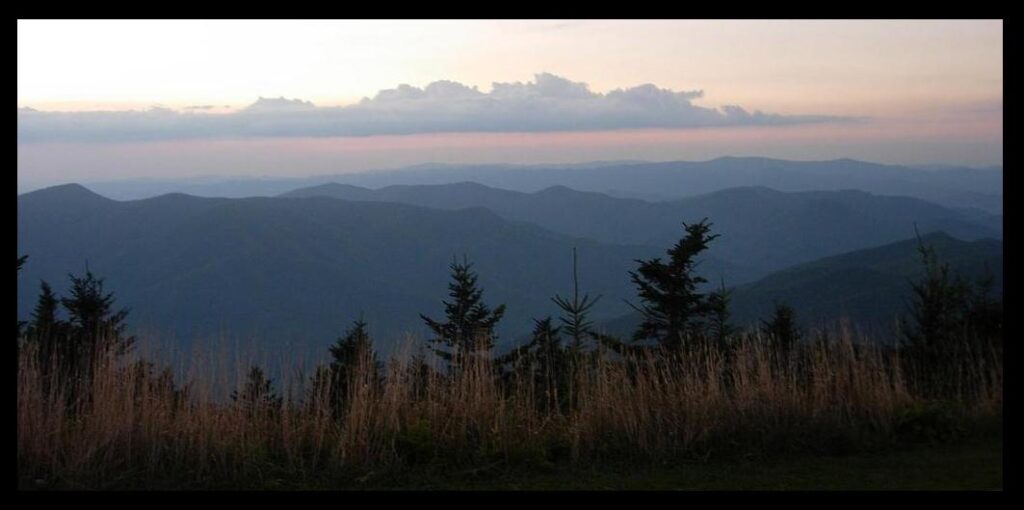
x,y
545,361
574,313
352,356
550,363
149,383
419,374
985,312
93,330
44,317
53,347
781,331
938,308
719,327
469,325
673,310
21,324
352,349
321,391
94,325
257,396
951,323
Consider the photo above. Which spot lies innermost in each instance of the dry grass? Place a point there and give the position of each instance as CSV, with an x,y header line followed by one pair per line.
x,y
137,432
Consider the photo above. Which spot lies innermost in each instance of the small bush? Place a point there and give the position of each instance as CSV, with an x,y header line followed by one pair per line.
x,y
931,422
415,444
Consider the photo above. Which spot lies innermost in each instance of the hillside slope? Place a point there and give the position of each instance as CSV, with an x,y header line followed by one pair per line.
x,y
762,230
868,287
281,270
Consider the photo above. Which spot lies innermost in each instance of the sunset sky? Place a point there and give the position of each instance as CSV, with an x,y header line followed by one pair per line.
x,y
182,98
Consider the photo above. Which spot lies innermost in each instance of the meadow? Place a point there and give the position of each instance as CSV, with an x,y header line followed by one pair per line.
x,y
407,423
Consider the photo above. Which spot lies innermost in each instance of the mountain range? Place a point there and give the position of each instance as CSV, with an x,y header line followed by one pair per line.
x,y
296,270
280,270
949,186
762,230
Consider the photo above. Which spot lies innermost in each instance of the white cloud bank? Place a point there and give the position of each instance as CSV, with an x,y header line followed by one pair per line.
x,y
549,103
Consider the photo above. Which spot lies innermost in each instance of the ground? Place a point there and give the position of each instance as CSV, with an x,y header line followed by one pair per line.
x,y
974,465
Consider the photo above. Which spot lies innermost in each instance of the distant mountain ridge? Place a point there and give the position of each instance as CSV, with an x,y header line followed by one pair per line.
x,y
761,229
954,187
299,270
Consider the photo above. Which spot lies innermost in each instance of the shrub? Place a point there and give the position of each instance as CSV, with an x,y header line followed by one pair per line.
x,y
931,422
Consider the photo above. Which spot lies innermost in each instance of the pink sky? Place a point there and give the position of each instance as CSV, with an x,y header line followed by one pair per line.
x,y
929,91
967,142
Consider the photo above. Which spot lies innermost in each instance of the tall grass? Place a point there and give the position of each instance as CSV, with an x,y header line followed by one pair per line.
x,y
128,427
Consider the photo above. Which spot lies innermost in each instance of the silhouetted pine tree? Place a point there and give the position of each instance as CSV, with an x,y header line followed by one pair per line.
x,y
719,328
44,317
352,356
469,325
94,323
320,391
574,313
544,361
938,308
54,348
419,373
951,323
673,310
159,385
257,395
93,329
985,312
781,331
21,324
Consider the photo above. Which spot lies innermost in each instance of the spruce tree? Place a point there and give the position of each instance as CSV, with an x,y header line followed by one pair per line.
x,y
48,334
781,329
673,310
352,349
469,325
937,311
352,356
44,317
550,364
149,383
951,324
545,361
93,329
719,327
419,373
574,313
319,396
21,324
985,313
95,326
257,395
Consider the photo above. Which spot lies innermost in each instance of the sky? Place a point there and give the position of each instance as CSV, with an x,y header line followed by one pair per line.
x,y
101,100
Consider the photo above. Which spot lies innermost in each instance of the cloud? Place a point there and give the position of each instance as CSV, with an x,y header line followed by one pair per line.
x,y
271,105
548,103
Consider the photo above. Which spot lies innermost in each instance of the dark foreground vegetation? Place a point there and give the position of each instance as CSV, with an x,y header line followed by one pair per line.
x,y
967,465
688,394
